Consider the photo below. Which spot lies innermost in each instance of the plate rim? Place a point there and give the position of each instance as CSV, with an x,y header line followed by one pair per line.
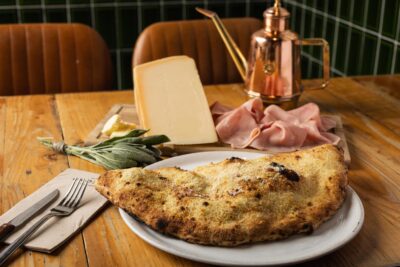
x,y
351,196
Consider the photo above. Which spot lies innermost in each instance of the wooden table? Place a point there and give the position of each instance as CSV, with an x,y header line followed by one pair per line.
x,y
370,110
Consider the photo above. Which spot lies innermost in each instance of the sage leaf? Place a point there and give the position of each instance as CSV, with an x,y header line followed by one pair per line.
x,y
131,150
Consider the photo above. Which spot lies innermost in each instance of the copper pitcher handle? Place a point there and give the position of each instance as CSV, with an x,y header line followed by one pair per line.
x,y
326,59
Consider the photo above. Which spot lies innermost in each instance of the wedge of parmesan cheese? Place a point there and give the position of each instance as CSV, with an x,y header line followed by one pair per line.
x,y
170,100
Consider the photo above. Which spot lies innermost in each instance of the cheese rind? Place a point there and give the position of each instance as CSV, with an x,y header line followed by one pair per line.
x,y
170,100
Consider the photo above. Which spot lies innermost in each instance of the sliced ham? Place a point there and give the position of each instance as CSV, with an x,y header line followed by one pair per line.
x,y
280,136
272,129
238,127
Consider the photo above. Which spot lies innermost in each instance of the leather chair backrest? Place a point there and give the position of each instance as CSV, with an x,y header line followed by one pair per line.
x,y
200,40
52,58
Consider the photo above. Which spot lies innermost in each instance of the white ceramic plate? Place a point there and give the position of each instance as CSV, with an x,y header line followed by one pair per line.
x,y
331,235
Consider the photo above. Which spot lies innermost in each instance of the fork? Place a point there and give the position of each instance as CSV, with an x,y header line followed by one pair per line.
x,y
66,207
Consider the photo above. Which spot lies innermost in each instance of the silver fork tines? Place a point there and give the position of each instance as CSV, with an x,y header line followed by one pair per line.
x,y
75,193
70,192
67,205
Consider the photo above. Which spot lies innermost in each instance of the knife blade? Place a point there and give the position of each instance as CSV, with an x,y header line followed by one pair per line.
x,y
7,228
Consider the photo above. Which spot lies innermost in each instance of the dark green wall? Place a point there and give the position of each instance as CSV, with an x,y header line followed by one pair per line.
x,y
363,34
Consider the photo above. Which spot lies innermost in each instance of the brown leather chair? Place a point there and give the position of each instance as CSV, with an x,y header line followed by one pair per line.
x,y
52,58
198,39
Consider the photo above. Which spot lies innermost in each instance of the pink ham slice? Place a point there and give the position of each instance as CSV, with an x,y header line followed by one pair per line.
x,y
272,129
238,127
280,136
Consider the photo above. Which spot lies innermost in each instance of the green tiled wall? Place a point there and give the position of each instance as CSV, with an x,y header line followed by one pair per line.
x,y
363,34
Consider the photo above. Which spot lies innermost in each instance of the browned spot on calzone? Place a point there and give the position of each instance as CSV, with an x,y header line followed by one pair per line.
x,y
161,224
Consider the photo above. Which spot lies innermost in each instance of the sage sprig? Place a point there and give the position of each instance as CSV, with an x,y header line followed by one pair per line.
x,y
130,150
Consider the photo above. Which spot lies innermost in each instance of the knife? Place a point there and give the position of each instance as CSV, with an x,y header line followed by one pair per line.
x,y
7,228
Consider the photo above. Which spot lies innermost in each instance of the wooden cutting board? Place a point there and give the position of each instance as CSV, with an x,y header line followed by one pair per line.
x,y
128,113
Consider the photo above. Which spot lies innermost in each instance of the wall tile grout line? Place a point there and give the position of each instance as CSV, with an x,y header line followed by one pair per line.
x,y
92,14
362,46
162,15
378,48
18,8
303,15
348,39
111,4
301,33
124,50
68,8
324,26
226,7
43,8
336,34
247,8
312,32
184,9
293,15
396,47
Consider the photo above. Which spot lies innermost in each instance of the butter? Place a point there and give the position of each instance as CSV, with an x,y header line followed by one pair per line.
x,y
115,126
170,100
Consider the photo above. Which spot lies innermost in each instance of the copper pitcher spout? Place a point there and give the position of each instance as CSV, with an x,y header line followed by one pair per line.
x,y
237,56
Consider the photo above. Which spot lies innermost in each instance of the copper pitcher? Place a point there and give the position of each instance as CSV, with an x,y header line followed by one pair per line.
x,y
273,69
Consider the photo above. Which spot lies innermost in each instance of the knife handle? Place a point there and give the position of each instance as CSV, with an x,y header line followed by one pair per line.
x,y
5,231
5,253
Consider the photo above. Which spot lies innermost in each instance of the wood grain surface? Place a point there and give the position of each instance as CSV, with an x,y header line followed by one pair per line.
x,y
26,165
370,111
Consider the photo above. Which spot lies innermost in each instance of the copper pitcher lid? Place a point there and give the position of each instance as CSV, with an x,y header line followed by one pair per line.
x,y
276,18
